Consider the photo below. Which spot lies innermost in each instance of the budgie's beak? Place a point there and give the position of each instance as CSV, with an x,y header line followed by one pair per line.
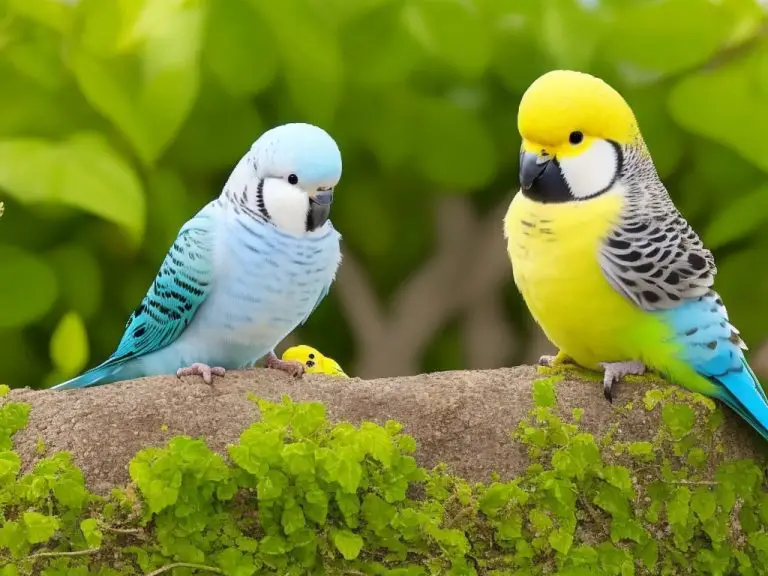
x,y
541,174
319,208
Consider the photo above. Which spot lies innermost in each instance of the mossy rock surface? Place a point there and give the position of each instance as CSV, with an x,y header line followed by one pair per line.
x,y
462,419
505,472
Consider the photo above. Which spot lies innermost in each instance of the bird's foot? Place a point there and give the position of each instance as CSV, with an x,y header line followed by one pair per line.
x,y
291,367
200,369
557,360
615,371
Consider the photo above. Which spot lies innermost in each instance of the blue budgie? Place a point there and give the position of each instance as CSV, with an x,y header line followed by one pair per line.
x,y
244,272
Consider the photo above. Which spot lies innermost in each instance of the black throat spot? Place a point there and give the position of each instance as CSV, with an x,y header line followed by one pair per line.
x,y
260,200
552,188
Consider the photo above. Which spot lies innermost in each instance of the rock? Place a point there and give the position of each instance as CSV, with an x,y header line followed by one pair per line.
x,y
463,419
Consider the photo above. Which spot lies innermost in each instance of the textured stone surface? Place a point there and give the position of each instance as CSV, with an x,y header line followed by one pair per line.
x,y
460,418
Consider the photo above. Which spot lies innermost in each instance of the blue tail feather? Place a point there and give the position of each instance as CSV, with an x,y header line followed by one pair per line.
x,y
101,374
712,346
742,392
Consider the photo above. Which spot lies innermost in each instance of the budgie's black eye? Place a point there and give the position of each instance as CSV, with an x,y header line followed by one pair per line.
x,y
575,137
293,179
311,355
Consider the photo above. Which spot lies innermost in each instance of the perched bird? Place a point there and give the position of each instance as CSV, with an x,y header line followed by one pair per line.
x,y
613,273
244,272
314,361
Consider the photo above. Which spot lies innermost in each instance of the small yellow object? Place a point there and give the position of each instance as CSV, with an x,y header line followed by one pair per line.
x,y
314,361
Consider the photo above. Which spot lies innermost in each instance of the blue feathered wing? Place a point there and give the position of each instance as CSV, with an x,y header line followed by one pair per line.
x,y
180,287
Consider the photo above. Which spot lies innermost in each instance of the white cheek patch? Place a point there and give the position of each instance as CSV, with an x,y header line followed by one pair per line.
x,y
286,204
592,171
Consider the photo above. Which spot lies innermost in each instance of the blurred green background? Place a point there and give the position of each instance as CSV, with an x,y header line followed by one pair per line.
x,y
119,119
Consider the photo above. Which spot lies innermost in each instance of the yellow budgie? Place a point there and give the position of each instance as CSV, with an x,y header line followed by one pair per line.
x,y
613,273
315,362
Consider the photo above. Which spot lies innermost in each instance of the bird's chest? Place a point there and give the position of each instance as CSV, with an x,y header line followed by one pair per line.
x,y
554,254
266,284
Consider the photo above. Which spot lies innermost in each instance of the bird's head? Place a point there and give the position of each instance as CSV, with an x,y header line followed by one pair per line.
x,y
288,176
576,132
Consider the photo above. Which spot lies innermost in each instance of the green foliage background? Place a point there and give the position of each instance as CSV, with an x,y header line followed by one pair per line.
x,y
119,119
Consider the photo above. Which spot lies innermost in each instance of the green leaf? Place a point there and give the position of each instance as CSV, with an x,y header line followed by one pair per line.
x,y
678,418
619,476
79,277
90,529
561,540
453,147
378,49
52,13
311,68
309,418
349,504
652,398
10,464
69,344
640,37
273,545
641,450
696,457
703,503
299,459
510,528
348,471
240,49
613,501
544,393
494,498
147,96
271,486
39,527
31,296
741,218
570,33
12,536
739,125
376,512
648,553
292,518
540,520
627,529
437,23
348,543
75,172
678,506
257,450
316,505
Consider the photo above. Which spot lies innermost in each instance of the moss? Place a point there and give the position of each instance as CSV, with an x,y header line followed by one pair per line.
x,y
299,496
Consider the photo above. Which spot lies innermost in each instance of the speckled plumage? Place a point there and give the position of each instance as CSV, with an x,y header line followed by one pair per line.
x,y
610,269
653,256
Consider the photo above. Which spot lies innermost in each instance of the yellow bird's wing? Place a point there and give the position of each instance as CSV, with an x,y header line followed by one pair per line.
x,y
332,368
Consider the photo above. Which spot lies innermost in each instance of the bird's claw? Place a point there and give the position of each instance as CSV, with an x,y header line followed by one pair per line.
x,y
200,369
291,367
554,360
615,371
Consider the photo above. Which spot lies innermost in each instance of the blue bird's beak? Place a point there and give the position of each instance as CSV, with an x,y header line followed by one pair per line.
x,y
319,209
